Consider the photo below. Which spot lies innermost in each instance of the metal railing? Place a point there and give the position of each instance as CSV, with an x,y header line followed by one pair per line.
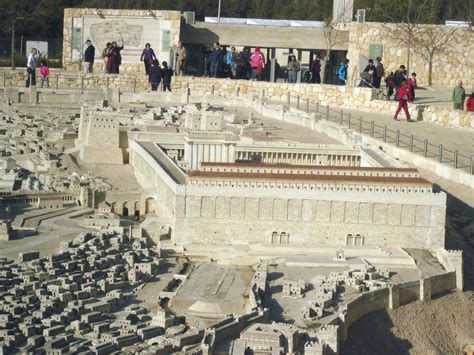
x,y
412,143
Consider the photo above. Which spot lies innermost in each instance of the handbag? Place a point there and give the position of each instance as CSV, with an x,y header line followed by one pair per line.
x,y
405,97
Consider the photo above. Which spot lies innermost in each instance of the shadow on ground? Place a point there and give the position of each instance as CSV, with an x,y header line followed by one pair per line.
x,y
372,335
460,233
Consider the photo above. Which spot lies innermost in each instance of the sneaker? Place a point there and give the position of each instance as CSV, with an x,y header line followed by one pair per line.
x,y
410,120
395,118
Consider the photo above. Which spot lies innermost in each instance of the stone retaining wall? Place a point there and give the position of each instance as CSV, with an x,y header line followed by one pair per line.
x,y
397,295
453,61
356,98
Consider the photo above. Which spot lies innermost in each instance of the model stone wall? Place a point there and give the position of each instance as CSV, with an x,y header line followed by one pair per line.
x,y
396,295
324,218
408,292
455,59
133,28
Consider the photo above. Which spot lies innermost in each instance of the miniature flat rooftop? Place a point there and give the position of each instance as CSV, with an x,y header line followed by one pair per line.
x,y
214,291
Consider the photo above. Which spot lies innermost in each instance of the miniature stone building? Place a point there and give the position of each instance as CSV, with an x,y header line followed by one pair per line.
x,y
294,289
5,230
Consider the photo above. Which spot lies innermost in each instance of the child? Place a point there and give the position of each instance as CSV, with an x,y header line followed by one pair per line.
x,y
44,72
154,75
470,103
412,85
389,85
166,74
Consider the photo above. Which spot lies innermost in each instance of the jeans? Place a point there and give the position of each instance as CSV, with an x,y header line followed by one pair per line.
x,y
397,88
31,76
214,69
316,79
154,86
147,66
292,78
43,80
87,67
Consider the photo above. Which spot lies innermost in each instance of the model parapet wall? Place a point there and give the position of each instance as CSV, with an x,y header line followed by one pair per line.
x,y
396,295
308,169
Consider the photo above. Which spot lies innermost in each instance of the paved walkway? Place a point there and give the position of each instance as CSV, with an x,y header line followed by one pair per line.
x,y
437,95
451,138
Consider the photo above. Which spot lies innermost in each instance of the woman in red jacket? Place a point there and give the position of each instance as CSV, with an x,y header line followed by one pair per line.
x,y
470,103
404,95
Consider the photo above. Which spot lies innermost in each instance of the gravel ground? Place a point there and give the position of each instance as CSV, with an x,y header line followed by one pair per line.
x,y
441,326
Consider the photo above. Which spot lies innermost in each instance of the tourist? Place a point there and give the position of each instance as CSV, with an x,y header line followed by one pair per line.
x,y
216,60
458,97
404,95
148,57
368,75
257,63
412,85
316,70
44,72
242,62
470,103
379,72
154,75
292,69
231,63
111,60
398,78
105,56
389,85
31,68
118,57
180,59
342,72
89,55
166,74
268,68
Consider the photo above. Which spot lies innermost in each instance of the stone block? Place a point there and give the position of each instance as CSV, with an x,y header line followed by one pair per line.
x,y
294,210
208,209
323,211
251,208
394,214
222,207
265,209
280,209
351,214
380,213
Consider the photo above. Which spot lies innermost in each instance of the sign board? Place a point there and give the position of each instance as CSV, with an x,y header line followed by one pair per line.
x,y
41,46
375,50
77,38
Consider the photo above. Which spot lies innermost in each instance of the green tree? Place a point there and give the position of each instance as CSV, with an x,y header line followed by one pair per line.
x,y
13,11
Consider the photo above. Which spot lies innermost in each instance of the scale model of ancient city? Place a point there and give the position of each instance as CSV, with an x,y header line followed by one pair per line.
x,y
226,217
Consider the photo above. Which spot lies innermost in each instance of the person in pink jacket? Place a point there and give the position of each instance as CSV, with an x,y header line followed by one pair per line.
x,y
257,63
404,95
44,72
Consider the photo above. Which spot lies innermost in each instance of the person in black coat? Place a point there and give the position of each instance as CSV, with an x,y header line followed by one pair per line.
x,y
166,73
398,78
154,75
118,57
89,55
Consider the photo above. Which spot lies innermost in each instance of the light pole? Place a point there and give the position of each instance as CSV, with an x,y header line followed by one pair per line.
x,y
219,12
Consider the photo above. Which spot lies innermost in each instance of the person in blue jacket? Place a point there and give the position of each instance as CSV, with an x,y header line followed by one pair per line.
x,y
342,72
